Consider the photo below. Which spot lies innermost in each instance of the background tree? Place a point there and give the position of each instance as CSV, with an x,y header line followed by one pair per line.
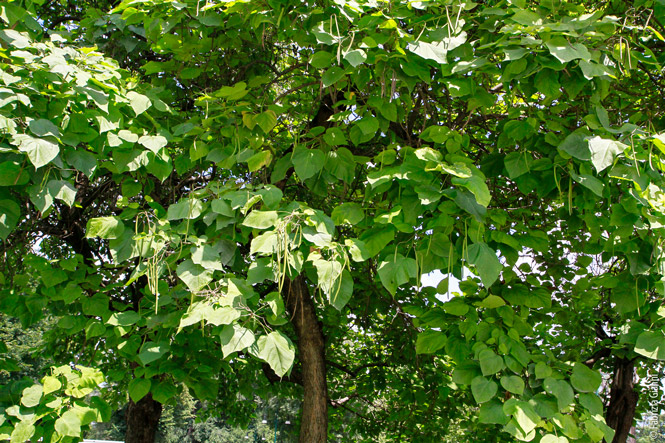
x,y
272,179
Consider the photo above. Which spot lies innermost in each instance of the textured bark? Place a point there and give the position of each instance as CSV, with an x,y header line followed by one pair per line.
x,y
623,400
311,350
142,420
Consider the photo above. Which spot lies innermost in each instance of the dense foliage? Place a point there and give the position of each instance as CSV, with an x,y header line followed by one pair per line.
x,y
232,196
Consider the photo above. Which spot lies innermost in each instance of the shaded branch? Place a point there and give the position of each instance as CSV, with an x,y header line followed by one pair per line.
x,y
294,377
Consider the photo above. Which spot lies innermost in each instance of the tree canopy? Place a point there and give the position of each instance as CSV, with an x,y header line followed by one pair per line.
x,y
244,196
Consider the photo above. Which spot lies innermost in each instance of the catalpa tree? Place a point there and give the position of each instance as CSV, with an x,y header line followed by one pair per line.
x,y
222,195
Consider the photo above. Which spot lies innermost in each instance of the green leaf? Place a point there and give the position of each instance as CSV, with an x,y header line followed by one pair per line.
x,y
651,344
40,151
396,271
542,370
389,111
43,128
355,57
196,277
492,413
523,414
430,341
94,330
50,384
277,350
456,306
476,184
128,136
513,383
235,338
486,262
490,363
589,182
17,39
23,431
437,51
13,174
126,318
492,301
271,196
341,291
10,213
332,76
265,244
584,379
308,162
151,351
105,227
84,161
603,152
235,92
349,212
561,390
222,315
261,219
430,155
321,59
153,142
138,388
357,249
69,424
526,17
328,273
565,52
436,134
260,270
334,137
459,87
576,146
163,391
208,257
377,238
196,313
266,120
517,164
483,389
62,190
368,125
259,160
276,303
592,403
32,395
139,102
189,208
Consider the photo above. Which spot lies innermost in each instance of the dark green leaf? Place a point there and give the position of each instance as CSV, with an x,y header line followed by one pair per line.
x,y
430,341
486,262
483,389
651,344
138,388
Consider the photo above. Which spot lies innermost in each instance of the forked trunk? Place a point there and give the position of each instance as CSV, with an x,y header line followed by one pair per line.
x,y
311,349
623,400
142,420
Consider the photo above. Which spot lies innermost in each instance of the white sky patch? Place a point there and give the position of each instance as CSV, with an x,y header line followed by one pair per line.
x,y
435,277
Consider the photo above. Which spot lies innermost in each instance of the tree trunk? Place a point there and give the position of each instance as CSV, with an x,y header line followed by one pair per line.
x,y
142,420
311,350
623,400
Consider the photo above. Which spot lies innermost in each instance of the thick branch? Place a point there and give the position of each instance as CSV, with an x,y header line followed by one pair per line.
x,y
311,350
